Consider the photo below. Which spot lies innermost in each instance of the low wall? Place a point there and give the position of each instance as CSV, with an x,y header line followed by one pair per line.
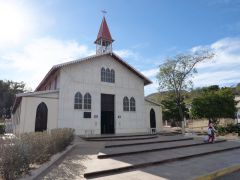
x,y
202,124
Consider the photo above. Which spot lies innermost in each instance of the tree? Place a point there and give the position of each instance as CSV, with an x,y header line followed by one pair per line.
x,y
170,110
8,90
214,104
176,73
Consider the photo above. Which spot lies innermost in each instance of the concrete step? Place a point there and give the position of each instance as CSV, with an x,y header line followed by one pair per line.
x,y
123,138
156,141
192,168
169,133
102,167
116,135
108,153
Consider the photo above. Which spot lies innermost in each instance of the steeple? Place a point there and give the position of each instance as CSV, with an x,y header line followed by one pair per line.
x,y
104,39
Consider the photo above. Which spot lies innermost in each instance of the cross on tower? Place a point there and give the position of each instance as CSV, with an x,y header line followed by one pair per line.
x,y
104,12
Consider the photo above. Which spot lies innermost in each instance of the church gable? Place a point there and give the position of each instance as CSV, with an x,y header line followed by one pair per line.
x,y
90,60
103,69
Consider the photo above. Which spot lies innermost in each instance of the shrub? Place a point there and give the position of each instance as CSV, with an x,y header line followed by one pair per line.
x,y
18,154
14,160
2,128
221,130
61,138
230,128
38,145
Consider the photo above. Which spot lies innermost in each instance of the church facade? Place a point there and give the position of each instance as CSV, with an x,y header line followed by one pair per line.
x,y
99,94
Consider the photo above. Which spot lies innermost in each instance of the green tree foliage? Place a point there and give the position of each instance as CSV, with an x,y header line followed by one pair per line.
x,y
170,111
214,104
8,90
176,73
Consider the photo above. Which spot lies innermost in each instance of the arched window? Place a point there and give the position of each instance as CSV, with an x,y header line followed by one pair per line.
x,y
103,75
132,104
87,101
78,101
108,75
41,117
112,76
125,104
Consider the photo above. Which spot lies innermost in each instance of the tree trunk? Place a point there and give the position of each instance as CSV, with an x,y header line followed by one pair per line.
x,y
181,115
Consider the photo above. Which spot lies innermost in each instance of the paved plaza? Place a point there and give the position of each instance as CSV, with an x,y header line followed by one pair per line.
x,y
159,157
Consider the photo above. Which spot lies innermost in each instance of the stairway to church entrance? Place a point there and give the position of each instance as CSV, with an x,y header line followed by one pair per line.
x,y
151,158
107,114
172,157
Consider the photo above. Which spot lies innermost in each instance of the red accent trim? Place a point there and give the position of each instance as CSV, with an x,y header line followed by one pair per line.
x,y
104,32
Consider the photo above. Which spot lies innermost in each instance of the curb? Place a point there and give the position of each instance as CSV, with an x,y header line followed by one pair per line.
x,y
104,156
153,163
149,142
37,173
218,173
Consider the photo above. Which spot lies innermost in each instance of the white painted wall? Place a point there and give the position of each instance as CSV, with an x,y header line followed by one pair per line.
x,y
237,98
158,114
28,109
86,77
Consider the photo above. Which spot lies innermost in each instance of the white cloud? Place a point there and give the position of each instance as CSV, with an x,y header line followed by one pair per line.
x,y
223,69
128,54
151,72
35,59
17,23
217,78
152,88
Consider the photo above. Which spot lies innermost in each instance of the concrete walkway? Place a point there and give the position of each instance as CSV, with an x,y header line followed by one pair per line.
x,y
181,170
83,158
74,164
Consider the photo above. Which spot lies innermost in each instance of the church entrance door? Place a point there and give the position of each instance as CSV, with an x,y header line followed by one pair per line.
x,y
107,114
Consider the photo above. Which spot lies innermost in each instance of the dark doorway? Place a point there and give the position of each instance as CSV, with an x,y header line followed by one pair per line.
x,y
152,119
107,114
41,117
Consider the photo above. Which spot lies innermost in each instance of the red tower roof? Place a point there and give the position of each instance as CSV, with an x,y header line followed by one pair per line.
x,y
104,32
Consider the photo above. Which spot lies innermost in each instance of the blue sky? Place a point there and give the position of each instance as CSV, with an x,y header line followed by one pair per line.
x,y
36,34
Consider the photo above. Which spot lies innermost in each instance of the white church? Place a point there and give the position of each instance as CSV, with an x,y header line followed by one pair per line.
x,y
99,94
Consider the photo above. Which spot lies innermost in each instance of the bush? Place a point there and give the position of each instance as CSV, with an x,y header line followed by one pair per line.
x,y
2,128
61,139
230,128
31,148
38,145
221,130
14,160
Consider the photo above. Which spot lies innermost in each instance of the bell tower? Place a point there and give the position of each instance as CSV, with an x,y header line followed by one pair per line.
x,y
104,39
